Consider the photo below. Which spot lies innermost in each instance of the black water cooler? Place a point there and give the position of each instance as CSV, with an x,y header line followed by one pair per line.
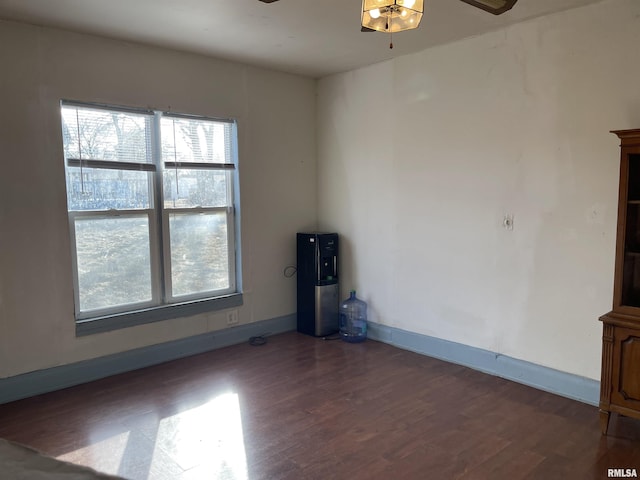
x,y
318,289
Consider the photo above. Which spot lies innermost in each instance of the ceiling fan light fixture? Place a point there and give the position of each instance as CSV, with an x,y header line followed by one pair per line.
x,y
492,6
391,15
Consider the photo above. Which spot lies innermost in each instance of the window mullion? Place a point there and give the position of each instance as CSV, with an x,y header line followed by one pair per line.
x,y
197,210
231,251
161,243
200,165
74,262
110,164
111,213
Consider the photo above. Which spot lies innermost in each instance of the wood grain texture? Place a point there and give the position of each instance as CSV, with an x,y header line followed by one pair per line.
x,y
304,408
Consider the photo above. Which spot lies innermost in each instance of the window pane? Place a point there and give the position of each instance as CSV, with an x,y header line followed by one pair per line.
x,y
199,259
120,163
185,188
90,133
102,189
114,266
191,140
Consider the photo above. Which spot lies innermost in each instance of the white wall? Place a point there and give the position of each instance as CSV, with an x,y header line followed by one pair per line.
x,y
276,117
421,157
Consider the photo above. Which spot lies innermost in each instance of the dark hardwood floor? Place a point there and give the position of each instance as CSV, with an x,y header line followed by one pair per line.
x,y
304,408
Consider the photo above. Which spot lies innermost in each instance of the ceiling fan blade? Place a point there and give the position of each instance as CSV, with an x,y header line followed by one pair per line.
x,y
492,6
366,29
267,1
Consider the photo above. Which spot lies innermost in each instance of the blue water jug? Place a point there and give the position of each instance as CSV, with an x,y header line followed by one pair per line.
x,y
353,319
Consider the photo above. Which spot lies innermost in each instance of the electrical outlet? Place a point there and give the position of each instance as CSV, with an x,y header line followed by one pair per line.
x,y
232,317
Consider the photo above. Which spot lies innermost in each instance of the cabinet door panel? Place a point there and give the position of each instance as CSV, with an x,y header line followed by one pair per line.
x,y
629,372
626,377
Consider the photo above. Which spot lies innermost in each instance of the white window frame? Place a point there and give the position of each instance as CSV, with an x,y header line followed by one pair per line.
x,y
163,304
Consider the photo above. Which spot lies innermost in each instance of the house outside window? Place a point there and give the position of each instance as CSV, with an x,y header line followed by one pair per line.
x,y
152,207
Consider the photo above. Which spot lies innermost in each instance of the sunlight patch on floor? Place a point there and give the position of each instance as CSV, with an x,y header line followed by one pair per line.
x,y
103,455
207,439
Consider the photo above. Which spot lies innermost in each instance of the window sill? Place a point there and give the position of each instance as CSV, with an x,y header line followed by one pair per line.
x,y
157,314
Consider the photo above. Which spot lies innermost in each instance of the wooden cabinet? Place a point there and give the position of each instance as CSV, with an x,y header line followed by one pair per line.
x,y
620,381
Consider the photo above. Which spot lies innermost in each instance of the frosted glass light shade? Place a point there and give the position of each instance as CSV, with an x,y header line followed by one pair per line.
x,y
392,15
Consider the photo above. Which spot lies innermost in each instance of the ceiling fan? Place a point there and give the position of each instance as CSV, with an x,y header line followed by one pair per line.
x,y
492,6
397,15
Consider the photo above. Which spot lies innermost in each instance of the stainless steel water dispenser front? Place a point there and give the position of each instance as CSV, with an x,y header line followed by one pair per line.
x,y
327,305
318,289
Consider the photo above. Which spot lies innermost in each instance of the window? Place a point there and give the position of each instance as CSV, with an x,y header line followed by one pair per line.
x,y
152,203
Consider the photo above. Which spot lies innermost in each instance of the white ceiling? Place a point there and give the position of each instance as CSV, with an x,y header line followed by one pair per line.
x,y
308,37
